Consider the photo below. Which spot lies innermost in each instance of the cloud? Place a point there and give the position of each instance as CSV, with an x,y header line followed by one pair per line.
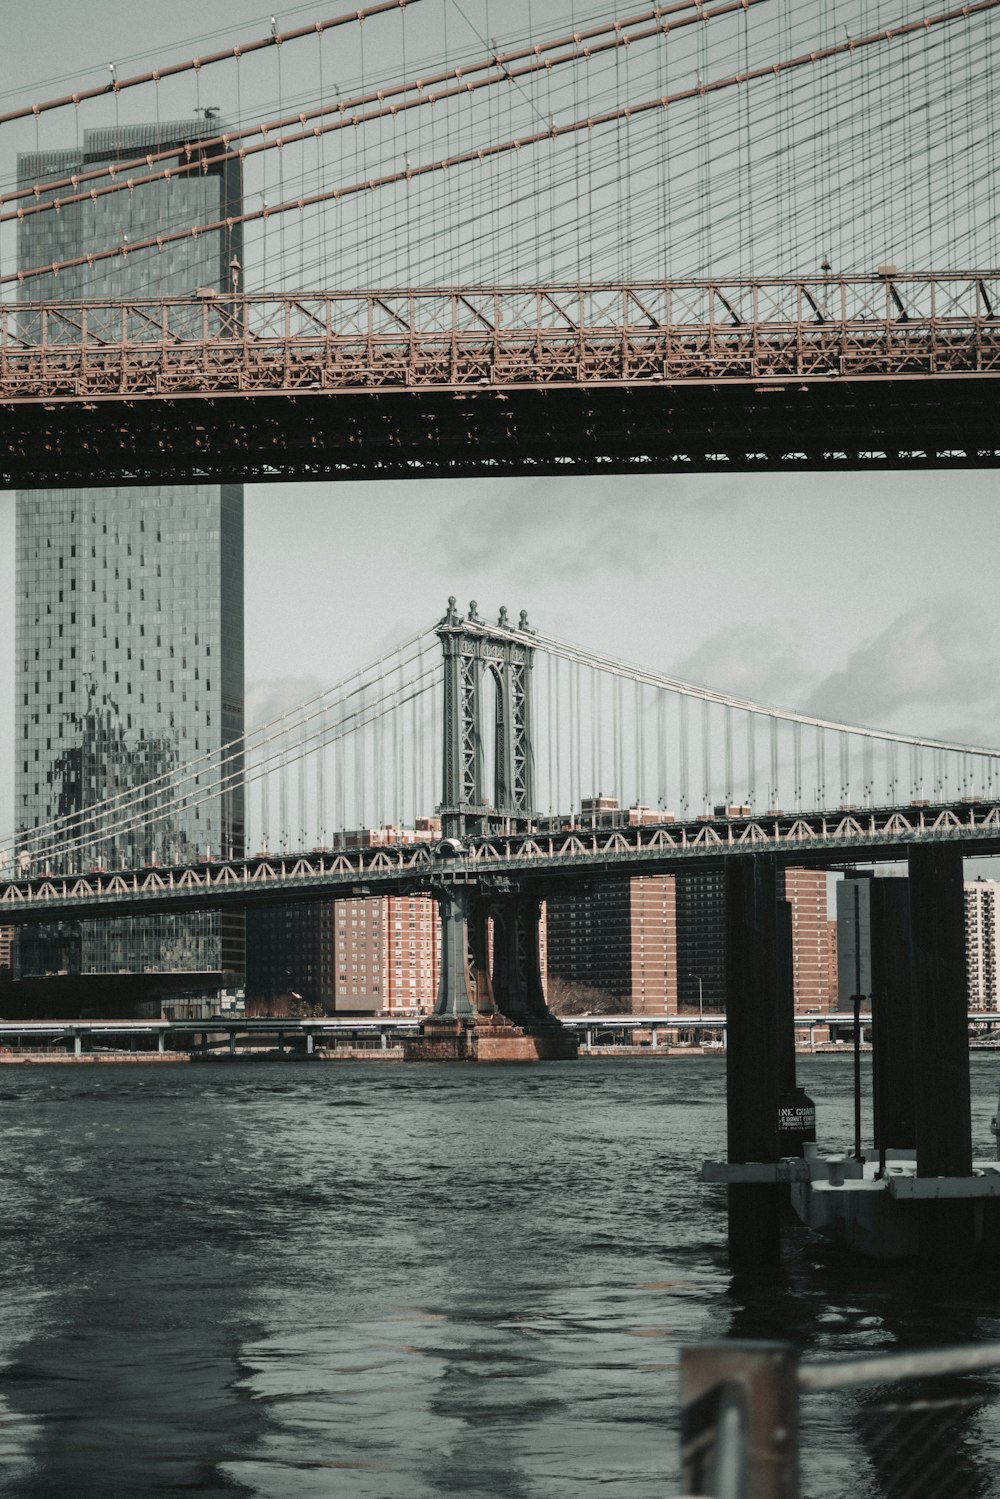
x,y
272,696
596,527
936,662
755,661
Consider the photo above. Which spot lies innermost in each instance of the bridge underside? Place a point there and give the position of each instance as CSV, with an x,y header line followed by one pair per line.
x,y
693,427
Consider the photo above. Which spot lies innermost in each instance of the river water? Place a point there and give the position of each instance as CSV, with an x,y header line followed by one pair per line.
x,y
399,1282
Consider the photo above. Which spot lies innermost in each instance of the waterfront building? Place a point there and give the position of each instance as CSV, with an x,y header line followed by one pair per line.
x,y
614,942
367,952
982,943
832,959
290,951
701,940
813,980
6,947
129,628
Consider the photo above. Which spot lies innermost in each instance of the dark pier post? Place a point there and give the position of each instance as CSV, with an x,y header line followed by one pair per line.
x,y
893,1062
517,974
941,1047
756,1013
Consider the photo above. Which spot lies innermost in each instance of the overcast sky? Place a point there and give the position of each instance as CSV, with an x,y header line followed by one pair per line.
x,y
870,598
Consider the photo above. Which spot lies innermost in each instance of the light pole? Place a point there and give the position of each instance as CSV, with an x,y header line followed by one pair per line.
x,y
701,995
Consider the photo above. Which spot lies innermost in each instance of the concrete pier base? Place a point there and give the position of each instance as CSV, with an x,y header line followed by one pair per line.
x,y
487,1039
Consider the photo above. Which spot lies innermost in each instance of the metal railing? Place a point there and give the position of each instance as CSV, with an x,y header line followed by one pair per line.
x,y
886,325
896,1426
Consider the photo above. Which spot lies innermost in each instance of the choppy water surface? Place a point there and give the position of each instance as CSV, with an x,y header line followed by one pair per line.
x,y
400,1282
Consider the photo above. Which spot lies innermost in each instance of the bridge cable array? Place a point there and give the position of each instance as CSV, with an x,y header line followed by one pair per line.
x,y
363,756
893,154
141,819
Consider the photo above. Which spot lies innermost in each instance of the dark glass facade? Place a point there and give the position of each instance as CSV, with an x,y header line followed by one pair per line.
x,y
129,634
290,950
590,937
701,939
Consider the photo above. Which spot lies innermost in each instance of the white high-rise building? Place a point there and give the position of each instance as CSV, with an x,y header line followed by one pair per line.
x,y
982,942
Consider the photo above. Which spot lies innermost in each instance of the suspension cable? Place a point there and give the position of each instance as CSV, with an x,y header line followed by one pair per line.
x,y
481,154
195,64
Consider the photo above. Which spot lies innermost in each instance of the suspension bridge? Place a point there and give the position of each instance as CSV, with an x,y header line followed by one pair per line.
x,y
486,764
731,236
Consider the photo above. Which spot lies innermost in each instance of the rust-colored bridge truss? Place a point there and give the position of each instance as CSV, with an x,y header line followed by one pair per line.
x,y
832,372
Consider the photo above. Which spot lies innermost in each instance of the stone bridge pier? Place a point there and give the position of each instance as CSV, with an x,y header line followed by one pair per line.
x,y
490,1002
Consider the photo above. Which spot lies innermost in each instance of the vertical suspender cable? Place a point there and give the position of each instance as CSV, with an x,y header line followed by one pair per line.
x,y
729,754
868,769
661,748
593,687
419,747
706,755
820,768
283,793
322,755
342,749
303,798
571,695
398,797
752,760
416,807
359,815
436,739
577,735
774,790
682,735
378,751
845,768
640,748
600,788
550,730
619,744
557,735
797,757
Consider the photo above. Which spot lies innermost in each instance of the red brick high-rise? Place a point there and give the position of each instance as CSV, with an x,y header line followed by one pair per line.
x,y
814,981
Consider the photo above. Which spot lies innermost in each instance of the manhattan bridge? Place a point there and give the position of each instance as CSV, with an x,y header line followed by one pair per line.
x,y
697,238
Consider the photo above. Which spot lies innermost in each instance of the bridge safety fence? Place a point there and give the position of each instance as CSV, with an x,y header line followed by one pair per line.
x,y
760,1424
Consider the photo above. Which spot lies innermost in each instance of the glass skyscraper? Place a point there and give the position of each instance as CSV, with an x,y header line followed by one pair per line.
x,y
129,633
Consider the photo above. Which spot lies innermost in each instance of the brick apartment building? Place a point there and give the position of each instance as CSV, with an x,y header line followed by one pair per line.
x,y
813,949
982,943
657,944
365,953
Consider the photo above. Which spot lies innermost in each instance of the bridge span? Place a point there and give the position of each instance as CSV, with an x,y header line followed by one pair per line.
x,y
538,859
879,371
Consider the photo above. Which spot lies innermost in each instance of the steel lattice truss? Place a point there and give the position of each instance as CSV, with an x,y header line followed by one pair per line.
x,y
893,370
568,852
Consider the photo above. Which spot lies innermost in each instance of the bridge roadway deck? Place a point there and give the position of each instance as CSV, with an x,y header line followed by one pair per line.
x,y
704,427
836,373
540,861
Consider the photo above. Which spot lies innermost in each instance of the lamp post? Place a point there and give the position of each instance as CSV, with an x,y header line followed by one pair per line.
x,y
701,995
